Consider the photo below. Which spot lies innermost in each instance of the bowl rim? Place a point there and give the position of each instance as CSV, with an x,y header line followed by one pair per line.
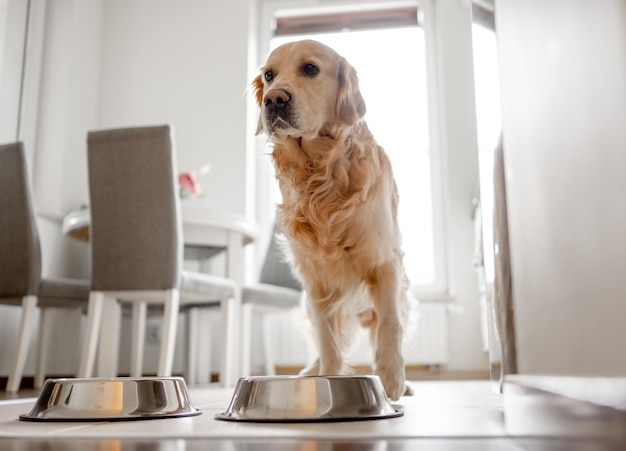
x,y
225,417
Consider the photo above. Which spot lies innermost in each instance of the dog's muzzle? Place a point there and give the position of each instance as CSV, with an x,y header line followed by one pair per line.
x,y
278,110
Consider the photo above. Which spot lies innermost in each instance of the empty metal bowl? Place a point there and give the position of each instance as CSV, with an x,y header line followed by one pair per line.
x,y
308,398
114,399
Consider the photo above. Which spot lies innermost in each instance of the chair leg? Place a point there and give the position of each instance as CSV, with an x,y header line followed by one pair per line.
x,y
229,353
29,306
91,334
138,338
168,337
43,346
109,340
268,355
246,339
203,357
192,347
198,366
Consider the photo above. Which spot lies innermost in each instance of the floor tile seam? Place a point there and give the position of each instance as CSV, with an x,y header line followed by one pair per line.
x,y
71,433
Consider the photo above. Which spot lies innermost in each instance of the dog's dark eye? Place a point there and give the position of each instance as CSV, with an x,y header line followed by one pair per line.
x,y
310,69
269,75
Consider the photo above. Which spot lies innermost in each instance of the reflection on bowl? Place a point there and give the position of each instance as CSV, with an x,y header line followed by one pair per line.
x,y
93,399
308,398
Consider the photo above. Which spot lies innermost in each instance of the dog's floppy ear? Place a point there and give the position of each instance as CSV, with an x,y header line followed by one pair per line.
x,y
350,103
257,85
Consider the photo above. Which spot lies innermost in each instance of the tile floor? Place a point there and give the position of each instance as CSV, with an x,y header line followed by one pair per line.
x,y
455,415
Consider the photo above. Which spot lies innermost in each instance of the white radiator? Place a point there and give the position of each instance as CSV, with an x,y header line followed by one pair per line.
x,y
428,345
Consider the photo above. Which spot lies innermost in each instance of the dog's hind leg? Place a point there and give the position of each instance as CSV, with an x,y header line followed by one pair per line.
x,y
313,369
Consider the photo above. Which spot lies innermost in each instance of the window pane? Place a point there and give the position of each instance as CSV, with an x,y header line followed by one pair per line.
x,y
392,76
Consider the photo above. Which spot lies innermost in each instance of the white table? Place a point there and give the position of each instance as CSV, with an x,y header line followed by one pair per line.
x,y
202,229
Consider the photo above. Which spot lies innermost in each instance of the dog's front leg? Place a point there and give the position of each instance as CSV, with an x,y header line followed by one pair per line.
x,y
384,289
329,338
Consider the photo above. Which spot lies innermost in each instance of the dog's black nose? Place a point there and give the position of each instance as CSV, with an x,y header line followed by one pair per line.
x,y
276,98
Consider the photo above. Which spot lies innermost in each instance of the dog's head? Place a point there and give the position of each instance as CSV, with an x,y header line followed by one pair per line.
x,y
304,87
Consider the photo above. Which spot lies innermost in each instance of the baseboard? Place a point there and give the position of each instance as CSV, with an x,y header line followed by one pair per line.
x,y
27,383
413,372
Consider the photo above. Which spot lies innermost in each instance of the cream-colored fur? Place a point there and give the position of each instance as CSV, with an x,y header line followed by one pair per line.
x,y
339,210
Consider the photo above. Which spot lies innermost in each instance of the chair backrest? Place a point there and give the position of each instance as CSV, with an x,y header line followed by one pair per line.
x,y
276,269
136,235
20,253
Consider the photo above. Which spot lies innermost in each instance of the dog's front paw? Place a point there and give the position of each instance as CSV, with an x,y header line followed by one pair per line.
x,y
394,385
392,377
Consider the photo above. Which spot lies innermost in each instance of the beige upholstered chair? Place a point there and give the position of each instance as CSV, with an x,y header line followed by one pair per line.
x,y
278,290
21,282
137,244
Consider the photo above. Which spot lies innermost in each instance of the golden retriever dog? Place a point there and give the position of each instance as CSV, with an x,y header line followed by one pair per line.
x,y
339,210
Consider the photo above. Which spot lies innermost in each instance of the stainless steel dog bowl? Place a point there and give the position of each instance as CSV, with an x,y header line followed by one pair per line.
x,y
308,398
115,399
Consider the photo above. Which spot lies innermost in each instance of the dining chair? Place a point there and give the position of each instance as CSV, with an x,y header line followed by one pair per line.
x,y
277,291
137,245
21,282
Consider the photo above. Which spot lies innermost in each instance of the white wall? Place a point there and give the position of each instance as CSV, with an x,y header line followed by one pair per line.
x,y
125,63
564,95
183,63
67,104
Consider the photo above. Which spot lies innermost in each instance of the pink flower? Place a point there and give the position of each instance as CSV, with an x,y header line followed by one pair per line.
x,y
188,183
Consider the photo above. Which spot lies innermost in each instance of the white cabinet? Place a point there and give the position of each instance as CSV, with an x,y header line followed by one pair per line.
x,y
563,78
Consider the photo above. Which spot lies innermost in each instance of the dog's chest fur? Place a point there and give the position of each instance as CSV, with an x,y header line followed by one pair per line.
x,y
324,186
